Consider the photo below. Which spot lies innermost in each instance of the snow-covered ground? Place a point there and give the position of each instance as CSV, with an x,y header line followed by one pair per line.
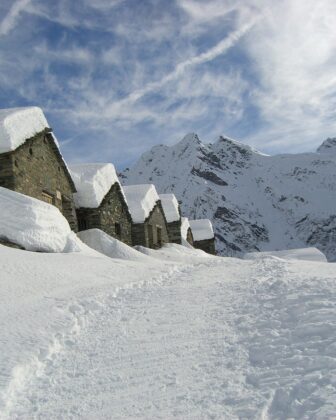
x,y
177,334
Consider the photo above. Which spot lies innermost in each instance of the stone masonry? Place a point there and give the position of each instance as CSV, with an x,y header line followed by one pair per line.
x,y
112,216
207,245
153,232
37,169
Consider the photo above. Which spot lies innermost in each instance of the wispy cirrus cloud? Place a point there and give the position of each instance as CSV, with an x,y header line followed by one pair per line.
x,y
10,20
116,77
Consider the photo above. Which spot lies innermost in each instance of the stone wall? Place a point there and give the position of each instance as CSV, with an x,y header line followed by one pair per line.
x,y
36,169
147,234
190,237
208,245
6,171
10,244
111,216
174,232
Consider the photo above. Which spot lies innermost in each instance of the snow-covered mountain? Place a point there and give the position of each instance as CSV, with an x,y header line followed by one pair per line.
x,y
255,201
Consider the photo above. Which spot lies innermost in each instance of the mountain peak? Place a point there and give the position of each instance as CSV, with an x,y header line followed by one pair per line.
x,y
328,146
190,139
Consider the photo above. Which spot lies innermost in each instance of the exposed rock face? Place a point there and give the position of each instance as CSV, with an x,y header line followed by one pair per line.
x,y
328,146
256,202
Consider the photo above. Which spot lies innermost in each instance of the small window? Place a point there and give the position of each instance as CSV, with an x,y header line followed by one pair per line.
x,y
47,198
31,151
58,195
82,225
16,163
117,229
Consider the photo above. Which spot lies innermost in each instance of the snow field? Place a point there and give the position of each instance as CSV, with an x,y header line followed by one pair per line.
x,y
196,338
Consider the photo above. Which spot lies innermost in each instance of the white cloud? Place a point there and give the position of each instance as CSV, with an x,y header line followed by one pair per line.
x,y
180,68
10,20
294,53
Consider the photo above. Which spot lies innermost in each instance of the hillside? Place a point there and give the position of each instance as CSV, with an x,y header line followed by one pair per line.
x,y
255,201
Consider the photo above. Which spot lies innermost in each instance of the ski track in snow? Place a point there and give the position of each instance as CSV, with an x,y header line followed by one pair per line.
x,y
197,342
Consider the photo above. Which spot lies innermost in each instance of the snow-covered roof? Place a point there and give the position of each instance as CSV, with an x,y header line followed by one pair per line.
x,y
19,124
201,229
185,225
141,200
93,181
170,207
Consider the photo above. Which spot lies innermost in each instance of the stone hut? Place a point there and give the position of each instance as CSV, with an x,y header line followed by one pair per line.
x,y
100,201
149,226
31,162
186,231
203,235
172,213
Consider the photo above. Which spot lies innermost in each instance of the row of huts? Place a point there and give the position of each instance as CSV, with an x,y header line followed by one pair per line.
x,y
90,195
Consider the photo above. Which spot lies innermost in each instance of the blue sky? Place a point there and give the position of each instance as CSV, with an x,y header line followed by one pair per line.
x,y
115,77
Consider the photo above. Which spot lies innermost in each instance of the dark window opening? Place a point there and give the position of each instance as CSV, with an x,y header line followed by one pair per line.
x,y
16,163
31,151
117,229
48,198
150,236
159,235
82,225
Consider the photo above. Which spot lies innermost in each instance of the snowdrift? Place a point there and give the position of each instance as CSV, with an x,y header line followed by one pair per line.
x,y
109,246
304,254
176,253
35,225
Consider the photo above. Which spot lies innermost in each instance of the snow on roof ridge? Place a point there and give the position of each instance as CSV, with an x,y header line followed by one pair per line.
x,y
201,229
170,207
141,200
93,181
185,225
18,125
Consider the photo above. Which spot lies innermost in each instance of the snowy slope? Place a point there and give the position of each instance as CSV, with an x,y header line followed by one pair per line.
x,y
255,202
182,335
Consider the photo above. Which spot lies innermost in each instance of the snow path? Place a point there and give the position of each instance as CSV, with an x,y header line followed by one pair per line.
x,y
222,338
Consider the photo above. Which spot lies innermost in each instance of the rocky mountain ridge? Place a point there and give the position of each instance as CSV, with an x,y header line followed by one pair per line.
x,y
256,202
